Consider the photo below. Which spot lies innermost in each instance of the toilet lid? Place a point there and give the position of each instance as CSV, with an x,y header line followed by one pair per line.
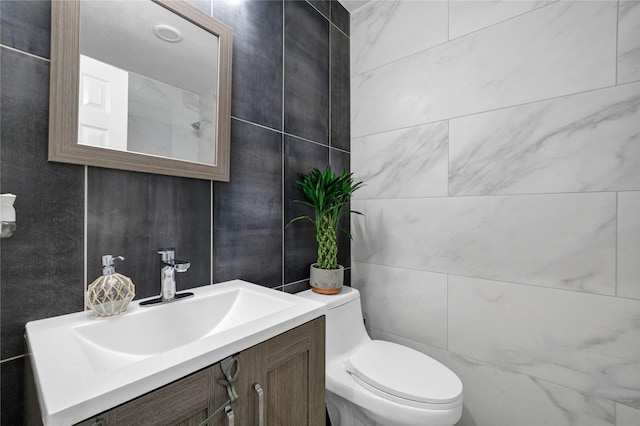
x,y
404,372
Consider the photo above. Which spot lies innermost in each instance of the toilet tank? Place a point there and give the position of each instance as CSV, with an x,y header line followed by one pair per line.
x,y
345,326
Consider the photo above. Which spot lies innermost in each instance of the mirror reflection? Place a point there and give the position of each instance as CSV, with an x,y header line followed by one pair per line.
x,y
148,81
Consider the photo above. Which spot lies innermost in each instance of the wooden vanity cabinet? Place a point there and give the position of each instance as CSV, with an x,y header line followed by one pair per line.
x,y
185,402
290,369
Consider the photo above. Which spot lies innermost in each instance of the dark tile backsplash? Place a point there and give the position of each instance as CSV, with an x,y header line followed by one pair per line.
x,y
41,266
283,86
12,391
135,214
247,212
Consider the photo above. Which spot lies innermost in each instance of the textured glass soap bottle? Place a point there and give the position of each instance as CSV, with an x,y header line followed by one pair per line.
x,y
112,292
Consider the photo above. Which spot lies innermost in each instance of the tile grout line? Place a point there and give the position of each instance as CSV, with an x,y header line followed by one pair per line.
x,y
529,194
14,358
449,39
617,42
25,53
448,158
501,367
282,217
289,134
329,134
447,318
211,236
85,238
329,18
505,107
500,281
448,21
617,263
282,153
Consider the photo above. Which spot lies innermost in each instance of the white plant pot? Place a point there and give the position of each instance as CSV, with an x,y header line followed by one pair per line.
x,y
326,281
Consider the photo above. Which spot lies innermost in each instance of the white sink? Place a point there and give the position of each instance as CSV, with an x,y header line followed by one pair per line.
x,y
109,345
84,365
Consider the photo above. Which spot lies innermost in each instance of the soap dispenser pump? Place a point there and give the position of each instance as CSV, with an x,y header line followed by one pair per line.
x,y
111,293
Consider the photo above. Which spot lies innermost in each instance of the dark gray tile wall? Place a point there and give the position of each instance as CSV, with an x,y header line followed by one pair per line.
x,y
134,214
247,214
41,268
323,6
257,59
300,157
339,161
340,90
26,25
340,17
290,61
306,72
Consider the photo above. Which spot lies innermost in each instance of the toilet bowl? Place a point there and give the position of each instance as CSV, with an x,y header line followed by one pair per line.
x,y
373,382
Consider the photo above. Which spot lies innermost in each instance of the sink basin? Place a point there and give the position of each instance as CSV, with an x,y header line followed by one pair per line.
x,y
84,364
110,345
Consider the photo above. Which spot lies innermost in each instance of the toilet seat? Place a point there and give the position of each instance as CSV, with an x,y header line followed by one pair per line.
x,y
404,375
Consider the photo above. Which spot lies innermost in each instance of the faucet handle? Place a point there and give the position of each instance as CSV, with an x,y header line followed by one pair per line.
x,y
180,265
168,254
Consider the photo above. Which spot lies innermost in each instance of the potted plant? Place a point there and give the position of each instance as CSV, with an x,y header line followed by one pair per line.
x,y
327,194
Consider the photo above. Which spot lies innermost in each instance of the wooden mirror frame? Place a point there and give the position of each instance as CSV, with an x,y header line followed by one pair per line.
x,y
64,92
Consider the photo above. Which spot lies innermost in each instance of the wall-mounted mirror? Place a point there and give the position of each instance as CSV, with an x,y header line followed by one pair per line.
x,y
140,85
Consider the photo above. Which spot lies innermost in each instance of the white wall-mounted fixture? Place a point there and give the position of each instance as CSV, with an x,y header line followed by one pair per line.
x,y
7,215
168,33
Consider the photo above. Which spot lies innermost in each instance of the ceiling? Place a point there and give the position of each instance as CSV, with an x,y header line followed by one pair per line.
x,y
121,34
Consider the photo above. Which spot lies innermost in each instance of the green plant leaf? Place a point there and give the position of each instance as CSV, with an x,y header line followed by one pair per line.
x,y
327,194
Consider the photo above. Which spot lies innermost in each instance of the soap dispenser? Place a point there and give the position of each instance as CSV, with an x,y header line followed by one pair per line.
x,y
112,292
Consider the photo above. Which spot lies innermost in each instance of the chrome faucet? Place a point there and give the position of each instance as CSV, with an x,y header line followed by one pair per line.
x,y
169,265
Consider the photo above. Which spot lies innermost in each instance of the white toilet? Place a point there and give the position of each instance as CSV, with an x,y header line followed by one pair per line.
x,y
372,382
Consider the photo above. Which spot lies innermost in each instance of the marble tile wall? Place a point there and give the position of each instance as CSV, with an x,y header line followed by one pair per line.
x,y
166,128
486,237
68,215
629,244
628,44
579,143
501,235
501,397
468,74
468,16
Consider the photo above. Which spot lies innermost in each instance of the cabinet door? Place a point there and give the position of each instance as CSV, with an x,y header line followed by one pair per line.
x,y
290,369
185,402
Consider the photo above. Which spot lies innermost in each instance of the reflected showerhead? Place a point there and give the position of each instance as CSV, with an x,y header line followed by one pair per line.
x,y
199,124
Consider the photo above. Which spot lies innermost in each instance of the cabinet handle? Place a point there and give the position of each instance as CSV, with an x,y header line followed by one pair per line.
x,y
258,389
230,415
